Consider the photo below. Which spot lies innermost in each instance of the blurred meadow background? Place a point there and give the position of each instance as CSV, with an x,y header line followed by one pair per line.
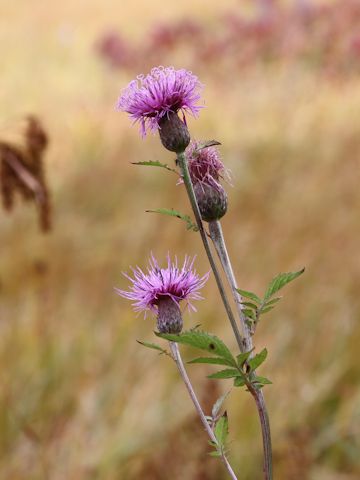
x,y
79,398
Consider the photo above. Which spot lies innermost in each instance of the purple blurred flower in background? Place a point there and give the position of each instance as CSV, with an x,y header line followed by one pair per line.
x,y
150,98
115,50
162,289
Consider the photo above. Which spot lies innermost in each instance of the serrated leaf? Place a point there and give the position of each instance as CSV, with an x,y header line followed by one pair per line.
x,y
171,212
212,361
272,301
251,295
258,359
221,430
242,357
226,373
155,163
203,341
218,404
239,382
280,281
153,346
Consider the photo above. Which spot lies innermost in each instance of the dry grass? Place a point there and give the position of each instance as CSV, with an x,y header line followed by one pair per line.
x,y
79,398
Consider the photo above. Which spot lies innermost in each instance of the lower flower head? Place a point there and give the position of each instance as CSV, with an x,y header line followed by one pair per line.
x,y
150,98
149,288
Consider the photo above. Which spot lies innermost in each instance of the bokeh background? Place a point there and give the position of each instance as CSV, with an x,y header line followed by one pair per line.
x,y
79,398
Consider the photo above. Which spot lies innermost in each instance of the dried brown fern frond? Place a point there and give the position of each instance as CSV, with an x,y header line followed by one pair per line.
x,y
22,171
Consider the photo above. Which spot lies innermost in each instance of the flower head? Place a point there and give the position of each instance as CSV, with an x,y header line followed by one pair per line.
x,y
205,165
150,98
206,169
149,288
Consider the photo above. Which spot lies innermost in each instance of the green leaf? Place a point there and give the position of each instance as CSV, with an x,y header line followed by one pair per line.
x,y
249,322
212,360
216,453
259,382
221,430
218,404
251,295
239,382
249,313
190,225
258,359
280,281
242,357
266,309
152,163
203,341
250,305
153,346
226,373
273,301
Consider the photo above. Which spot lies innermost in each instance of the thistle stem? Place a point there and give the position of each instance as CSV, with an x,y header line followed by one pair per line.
x,y
180,365
218,239
244,338
265,431
191,194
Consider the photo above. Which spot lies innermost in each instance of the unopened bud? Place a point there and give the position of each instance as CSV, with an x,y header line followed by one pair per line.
x,y
212,201
169,319
173,132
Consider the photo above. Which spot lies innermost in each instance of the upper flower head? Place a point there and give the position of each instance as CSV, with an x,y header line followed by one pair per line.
x,y
205,165
165,90
206,169
157,284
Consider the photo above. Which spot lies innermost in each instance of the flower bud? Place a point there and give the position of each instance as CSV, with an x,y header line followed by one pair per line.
x,y
169,318
173,132
212,201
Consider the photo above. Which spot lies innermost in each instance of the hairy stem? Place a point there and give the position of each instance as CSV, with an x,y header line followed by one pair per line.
x,y
178,360
191,194
220,246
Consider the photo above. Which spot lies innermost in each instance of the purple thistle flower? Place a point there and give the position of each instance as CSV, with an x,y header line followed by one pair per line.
x,y
205,165
150,98
206,169
149,288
